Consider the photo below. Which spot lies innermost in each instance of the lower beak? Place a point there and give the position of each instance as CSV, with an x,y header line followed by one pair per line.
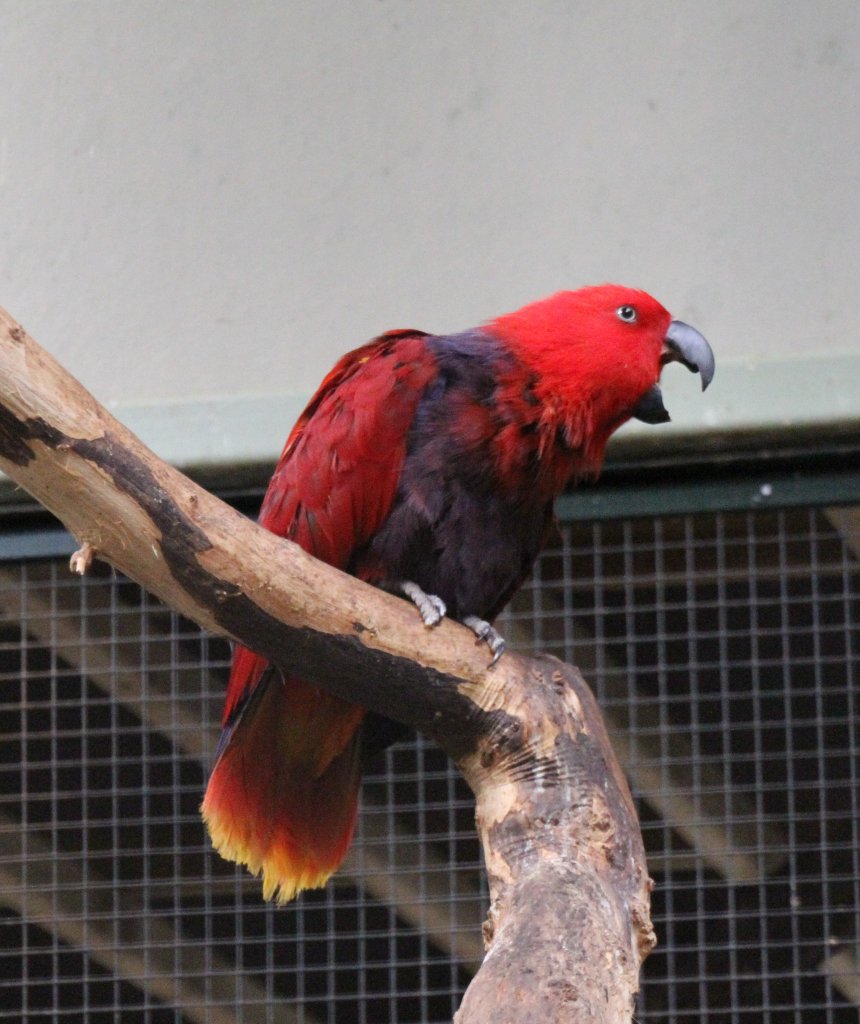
x,y
650,408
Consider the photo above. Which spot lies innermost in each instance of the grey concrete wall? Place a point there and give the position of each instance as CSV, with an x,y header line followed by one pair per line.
x,y
203,204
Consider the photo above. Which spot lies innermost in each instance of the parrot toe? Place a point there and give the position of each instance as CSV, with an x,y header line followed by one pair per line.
x,y
431,608
486,634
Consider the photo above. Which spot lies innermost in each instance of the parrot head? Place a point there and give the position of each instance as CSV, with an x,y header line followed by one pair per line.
x,y
597,354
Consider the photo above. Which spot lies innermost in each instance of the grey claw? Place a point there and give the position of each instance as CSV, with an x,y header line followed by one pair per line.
x,y
430,607
486,634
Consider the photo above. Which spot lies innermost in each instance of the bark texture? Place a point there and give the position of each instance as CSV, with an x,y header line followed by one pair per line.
x,y
569,923
569,920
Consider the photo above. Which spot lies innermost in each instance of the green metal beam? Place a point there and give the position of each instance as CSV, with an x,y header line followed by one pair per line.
x,y
663,497
652,494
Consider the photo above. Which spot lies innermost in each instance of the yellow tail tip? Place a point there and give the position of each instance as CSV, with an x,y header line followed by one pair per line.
x,y
285,869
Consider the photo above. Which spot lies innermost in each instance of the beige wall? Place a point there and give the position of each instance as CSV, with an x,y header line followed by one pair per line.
x,y
203,204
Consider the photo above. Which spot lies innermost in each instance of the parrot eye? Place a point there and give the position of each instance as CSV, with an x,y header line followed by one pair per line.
x,y
627,314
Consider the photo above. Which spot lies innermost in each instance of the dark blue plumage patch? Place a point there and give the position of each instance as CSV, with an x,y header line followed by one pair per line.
x,y
456,528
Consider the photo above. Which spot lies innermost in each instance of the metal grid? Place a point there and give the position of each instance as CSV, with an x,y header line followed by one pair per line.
x,y
724,650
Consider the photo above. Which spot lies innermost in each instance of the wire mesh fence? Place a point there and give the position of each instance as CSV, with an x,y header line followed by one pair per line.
x,y
724,650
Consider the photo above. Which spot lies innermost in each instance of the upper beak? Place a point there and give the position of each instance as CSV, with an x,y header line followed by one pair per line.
x,y
685,345
682,344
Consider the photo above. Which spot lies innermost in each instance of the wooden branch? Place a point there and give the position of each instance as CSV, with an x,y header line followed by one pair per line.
x,y
569,918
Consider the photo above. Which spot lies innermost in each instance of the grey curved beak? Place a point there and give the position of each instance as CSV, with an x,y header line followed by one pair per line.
x,y
684,344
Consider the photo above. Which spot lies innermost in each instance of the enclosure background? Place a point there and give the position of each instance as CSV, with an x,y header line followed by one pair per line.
x,y
724,649
202,205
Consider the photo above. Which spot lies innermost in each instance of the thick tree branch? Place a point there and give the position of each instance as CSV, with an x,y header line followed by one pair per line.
x,y
569,922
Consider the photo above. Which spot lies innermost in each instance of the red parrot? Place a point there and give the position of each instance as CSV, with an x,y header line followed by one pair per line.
x,y
427,465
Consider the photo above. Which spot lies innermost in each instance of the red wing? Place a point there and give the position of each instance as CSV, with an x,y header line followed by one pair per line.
x,y
338,473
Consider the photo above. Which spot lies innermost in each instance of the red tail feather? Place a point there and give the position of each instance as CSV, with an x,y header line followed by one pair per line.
x,y
283,796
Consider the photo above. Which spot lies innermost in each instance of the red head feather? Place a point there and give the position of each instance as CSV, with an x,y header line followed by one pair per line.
x,y
594,353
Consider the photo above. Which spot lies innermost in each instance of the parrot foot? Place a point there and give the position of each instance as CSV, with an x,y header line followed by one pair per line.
x,y
431,608
486,634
